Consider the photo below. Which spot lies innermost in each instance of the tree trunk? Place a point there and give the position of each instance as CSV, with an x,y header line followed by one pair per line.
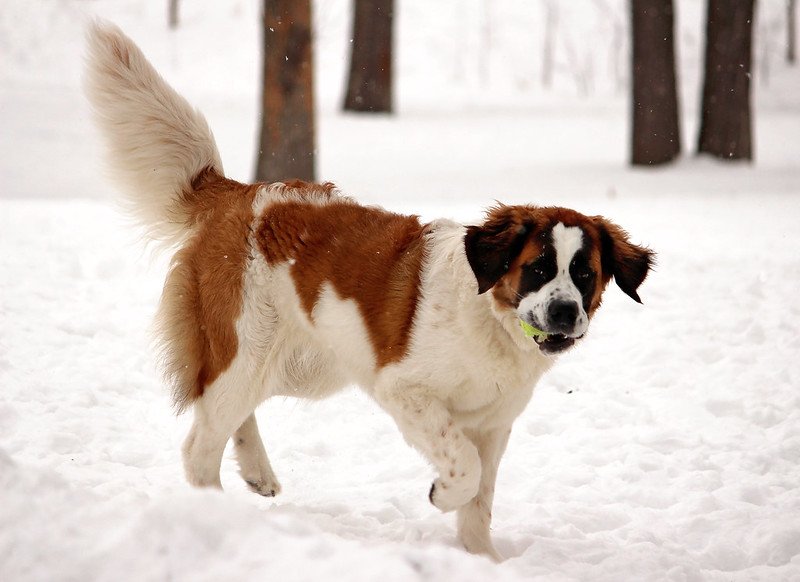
x,y
172,16
791,31
725,130
287,108
369,88
656,134
549,44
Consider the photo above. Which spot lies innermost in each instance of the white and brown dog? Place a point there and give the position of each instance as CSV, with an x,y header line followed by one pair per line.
x,y
293,289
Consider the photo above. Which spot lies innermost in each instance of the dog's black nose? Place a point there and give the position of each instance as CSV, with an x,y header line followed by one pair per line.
x,y
561,315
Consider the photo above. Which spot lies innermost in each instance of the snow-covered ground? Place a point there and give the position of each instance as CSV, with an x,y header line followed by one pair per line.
x,y
666,446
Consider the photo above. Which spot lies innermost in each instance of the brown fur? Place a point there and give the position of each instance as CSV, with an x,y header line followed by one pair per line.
x,y
202,295
596,264
492,246
369,255
628,263
505,291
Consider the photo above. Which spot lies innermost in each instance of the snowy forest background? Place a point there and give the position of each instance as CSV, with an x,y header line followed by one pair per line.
x,y
667,446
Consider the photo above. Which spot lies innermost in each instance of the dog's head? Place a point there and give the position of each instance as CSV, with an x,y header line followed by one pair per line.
x,y
551,266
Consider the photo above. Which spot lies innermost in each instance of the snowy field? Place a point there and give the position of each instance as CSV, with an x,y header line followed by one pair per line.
x,y
665,447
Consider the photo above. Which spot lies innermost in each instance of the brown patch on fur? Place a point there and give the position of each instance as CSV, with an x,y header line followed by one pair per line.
x,y
628,263
492,246
202,296
303,188
506,291
369,255
596,264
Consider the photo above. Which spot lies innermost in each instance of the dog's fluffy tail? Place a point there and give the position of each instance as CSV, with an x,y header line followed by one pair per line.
x,y
157,144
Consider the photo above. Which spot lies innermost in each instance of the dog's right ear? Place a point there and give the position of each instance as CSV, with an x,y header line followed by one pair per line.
x,y
492,246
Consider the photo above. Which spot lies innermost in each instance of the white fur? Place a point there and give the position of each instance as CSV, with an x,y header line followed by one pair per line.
x,y
567,240
154,167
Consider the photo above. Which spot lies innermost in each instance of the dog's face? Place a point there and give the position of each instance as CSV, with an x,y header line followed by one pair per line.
x,y
551,266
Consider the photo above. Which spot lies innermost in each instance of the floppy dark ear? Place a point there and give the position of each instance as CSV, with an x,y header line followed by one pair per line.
x,y
625,261
492,246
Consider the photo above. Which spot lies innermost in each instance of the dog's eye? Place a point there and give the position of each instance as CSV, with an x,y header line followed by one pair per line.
x,y
582,274
536,274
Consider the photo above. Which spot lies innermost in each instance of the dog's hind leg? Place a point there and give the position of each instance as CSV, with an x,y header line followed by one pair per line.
x,y
254,464
224,407
203,448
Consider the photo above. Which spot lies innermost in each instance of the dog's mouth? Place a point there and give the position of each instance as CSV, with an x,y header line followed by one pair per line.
x,y
555,343
549,343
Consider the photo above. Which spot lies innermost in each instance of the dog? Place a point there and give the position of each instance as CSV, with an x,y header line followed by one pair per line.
x,y
294,289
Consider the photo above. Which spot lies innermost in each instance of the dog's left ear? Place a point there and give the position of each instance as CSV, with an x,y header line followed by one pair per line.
x,y
492,246
625,261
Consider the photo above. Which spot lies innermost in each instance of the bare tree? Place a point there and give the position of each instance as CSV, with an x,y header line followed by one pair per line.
x,y
549,43
172,13
791,31
287,106
617,51
767,37
485,51
656,133
369,88
725,129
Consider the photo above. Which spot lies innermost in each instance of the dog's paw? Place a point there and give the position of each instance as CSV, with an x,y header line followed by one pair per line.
x,y
473,533
484,549
265,488
450,495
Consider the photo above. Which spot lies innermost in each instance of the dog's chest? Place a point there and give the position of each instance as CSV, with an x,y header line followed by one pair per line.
x,y
482,380
497,391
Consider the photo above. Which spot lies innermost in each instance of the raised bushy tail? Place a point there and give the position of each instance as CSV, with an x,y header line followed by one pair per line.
x,y
156,143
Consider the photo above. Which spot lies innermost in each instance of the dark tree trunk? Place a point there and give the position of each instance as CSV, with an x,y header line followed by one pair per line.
x,y
286,148
369,87
172,13
791,31
655,135
725,129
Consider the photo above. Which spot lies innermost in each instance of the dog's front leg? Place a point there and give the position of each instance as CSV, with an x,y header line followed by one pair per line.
x,y
427,425
475,517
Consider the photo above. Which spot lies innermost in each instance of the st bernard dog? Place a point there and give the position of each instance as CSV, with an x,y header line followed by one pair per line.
x,y
293,289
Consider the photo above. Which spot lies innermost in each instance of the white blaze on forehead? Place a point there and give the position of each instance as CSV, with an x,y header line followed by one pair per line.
x,y
567,240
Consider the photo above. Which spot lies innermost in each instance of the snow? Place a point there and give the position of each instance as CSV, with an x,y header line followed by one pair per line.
x,y
666,446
